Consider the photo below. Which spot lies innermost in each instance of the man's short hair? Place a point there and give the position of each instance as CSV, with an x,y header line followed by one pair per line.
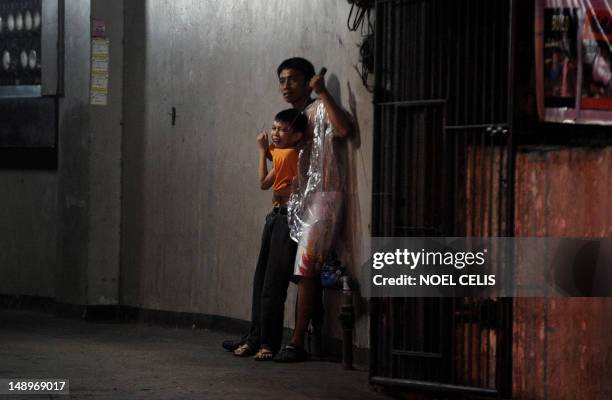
x,y
295,118
299,64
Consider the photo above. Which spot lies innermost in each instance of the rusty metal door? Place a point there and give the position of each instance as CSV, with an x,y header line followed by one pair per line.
x,y
443,166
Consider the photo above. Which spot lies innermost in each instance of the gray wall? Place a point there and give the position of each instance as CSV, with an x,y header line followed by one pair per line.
x,y
73,160
60,229
28,240
192,211
89,167
105,167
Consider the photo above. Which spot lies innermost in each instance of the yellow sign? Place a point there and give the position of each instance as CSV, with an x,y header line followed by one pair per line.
x,y
99,71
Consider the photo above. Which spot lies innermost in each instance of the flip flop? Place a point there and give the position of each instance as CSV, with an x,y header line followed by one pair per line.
x,y
264,355
243,351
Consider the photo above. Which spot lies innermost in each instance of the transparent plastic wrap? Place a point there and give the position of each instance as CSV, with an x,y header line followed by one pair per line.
x,y
315,206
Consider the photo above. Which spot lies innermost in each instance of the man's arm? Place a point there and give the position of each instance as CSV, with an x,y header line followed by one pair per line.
x,y
337,116
266,179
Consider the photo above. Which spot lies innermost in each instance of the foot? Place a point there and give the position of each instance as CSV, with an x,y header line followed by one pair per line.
x,y
244,351
264,354
291,354
232,345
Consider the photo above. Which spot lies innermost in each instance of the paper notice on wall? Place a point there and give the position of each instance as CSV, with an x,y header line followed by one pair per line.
x,y
574,61
99,71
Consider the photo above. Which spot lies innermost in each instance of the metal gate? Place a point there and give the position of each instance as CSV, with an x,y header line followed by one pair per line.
x,y
443,166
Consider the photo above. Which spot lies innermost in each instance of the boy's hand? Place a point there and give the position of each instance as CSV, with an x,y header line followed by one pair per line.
x,y
262,140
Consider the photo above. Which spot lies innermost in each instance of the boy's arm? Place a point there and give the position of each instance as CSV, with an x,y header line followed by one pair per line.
x,y
337,116
266,179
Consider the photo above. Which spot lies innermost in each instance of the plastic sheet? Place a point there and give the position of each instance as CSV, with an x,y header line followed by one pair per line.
x,y
315,206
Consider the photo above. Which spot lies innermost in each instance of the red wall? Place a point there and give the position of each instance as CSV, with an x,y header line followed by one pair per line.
x,y
563,347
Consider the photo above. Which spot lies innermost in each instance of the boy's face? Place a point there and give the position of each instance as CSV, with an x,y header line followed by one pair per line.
x,y
293,85
283,135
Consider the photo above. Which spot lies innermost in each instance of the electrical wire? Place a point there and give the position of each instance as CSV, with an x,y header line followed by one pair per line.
x,y
360,12
360,18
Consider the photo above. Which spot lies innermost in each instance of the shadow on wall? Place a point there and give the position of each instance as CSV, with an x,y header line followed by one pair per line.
x,y
349,247
353,234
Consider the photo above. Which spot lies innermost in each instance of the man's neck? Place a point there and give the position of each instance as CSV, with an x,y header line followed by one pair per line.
x,y
302,103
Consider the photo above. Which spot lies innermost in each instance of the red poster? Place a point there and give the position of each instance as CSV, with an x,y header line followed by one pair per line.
x,y
560,56
596,58
573,61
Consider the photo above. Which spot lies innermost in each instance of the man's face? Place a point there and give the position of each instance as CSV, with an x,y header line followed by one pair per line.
x,y
293,85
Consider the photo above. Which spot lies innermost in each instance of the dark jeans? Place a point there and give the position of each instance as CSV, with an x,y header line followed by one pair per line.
x,y
272,275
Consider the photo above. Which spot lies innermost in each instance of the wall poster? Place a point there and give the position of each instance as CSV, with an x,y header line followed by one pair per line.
x,y
574,61
98,94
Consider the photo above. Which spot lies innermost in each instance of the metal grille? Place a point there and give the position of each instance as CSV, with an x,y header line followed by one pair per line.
x,y
444,162
20,44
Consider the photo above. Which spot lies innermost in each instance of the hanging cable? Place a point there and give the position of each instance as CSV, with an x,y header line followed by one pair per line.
x,y
360,18
360,12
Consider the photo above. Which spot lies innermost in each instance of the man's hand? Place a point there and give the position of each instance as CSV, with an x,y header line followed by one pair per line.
x,y
317,83
339,119
262,140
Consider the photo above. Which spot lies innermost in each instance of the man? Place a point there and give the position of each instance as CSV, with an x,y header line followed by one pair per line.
x,y
315,205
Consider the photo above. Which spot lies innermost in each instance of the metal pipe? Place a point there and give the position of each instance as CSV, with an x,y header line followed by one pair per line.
x,y
347,318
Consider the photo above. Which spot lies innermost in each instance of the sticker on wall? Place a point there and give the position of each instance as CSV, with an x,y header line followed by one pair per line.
x,y
574,61
99,71
98,28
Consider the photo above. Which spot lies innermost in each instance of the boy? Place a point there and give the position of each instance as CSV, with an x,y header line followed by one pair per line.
x,y
277,253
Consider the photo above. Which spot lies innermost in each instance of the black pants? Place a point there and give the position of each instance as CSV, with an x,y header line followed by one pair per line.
x,y
272,275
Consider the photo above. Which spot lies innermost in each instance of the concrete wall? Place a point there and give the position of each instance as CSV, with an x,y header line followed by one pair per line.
x,y
73,159
192,211
89,166
563,347
28,240
105,167
60,235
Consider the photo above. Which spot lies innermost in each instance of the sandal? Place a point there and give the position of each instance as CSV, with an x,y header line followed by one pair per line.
x,y
264,354
243,351
291,354
232,345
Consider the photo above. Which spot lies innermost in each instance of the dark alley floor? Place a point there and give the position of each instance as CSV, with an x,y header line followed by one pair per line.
x,y
138,361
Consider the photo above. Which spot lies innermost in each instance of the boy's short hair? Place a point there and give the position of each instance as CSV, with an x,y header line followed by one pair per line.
x,y
295,118
299,64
